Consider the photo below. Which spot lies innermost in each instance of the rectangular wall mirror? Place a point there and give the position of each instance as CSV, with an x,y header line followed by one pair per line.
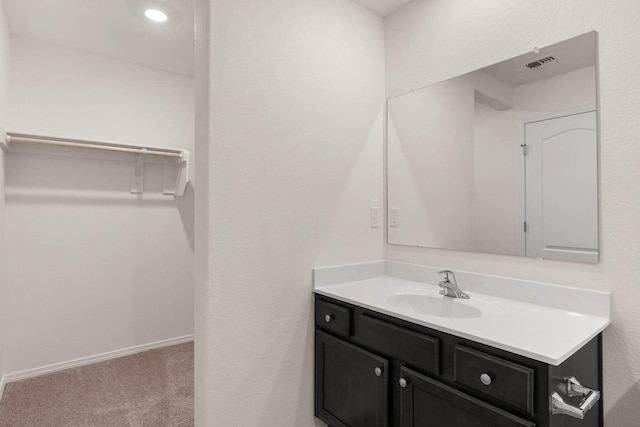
x,y
502,160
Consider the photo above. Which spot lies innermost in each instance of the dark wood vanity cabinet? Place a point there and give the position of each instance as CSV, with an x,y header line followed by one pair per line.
x,y
428,402
354,385
374,370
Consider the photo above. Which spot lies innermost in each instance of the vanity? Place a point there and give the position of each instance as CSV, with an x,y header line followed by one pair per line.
x,y
501,160
391,351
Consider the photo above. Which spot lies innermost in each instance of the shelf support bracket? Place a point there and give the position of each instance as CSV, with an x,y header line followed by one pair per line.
x,y
4,141
137,180
183,174
176,176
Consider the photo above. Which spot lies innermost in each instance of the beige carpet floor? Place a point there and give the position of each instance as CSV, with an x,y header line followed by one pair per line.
x,y
154,388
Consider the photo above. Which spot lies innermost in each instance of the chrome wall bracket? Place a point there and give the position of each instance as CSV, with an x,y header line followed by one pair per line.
x,y
574,388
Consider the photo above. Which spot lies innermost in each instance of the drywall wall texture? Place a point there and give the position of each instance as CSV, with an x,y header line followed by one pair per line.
x,y
92,268
4,65
294,164
202,353
2,262
465,36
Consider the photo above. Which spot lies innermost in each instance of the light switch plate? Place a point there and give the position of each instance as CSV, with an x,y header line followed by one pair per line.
x,y
394,217
376,219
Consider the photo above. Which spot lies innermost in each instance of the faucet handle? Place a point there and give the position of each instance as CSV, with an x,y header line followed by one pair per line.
x,y
446,274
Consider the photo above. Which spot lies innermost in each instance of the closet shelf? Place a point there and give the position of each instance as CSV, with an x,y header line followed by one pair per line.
x,y
176,163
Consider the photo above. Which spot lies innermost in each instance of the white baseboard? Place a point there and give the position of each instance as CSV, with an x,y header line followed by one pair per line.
x,y
29,373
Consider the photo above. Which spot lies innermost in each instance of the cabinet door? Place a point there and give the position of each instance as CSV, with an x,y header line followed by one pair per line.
x,y
351,384
429,403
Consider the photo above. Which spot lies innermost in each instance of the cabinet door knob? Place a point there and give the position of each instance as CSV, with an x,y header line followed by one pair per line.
x,y
485,379
378,371
328,318
403,382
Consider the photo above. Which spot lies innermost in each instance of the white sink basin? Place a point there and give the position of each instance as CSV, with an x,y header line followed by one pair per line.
x,y
441,306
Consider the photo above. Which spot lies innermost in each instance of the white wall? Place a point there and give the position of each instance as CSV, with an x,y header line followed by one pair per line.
x,y
91,268
4,64
202,212
293,163
467,35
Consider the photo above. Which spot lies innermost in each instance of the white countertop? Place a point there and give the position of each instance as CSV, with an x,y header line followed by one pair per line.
x,y
521,324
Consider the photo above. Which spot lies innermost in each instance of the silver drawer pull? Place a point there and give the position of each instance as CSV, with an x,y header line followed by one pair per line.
x,y
403,382
574,388
328,318
377,371
485,379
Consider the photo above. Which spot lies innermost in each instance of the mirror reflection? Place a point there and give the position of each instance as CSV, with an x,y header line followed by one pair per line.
x,y
501,160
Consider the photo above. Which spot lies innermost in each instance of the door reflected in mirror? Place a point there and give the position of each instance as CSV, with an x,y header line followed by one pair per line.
x,y
501,160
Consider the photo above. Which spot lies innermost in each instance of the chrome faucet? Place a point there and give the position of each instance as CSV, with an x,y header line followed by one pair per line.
x,y
449,288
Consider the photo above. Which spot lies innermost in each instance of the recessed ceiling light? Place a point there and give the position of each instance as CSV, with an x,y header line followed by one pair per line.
x,y
156,15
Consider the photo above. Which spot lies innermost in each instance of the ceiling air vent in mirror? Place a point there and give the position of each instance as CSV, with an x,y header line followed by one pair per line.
x,y
538,64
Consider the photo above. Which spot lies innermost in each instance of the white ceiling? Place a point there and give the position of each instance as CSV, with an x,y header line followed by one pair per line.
x,y
118,28
113,28
382,7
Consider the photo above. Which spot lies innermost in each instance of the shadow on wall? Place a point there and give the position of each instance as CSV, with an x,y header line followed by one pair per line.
x,y
107,269
76,178
620,370
626,411
296,377
186,207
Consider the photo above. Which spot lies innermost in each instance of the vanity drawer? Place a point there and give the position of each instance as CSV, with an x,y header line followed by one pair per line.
x,y
415,349
333,317
495,377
